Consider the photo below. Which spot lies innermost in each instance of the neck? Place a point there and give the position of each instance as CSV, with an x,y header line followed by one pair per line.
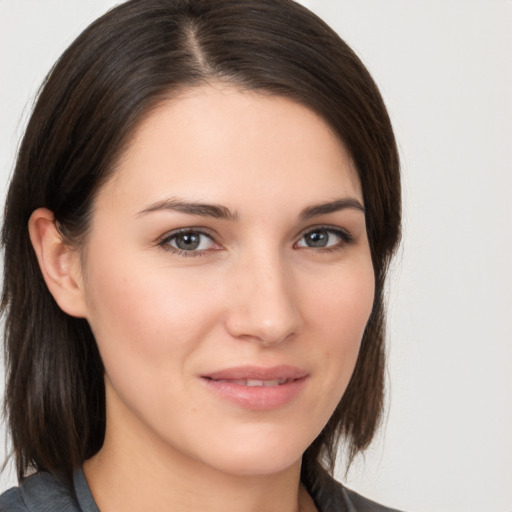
x,y
135,472
132,486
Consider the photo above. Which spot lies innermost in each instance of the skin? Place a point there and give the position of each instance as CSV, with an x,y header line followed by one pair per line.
x,y
254,293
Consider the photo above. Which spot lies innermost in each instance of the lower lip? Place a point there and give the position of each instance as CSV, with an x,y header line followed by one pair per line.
x,y
258,398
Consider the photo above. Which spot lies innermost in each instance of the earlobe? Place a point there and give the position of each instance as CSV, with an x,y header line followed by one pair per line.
x,y
59,263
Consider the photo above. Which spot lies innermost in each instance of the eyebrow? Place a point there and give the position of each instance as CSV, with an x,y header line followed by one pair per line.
x,y
217,211
192,208
331,207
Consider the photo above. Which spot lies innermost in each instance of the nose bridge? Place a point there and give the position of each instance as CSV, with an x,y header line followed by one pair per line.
x,y
264,305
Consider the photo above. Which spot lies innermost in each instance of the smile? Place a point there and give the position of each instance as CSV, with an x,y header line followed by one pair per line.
x,y
255,382
256,388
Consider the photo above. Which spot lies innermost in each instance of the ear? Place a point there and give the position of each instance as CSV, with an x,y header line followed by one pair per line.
x,y
59,263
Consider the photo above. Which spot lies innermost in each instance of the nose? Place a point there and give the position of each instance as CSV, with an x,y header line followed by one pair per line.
x,y
263,302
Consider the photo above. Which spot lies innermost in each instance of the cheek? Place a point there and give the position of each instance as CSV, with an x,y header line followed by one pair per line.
x,y
342,303
151,314
148,325
340,311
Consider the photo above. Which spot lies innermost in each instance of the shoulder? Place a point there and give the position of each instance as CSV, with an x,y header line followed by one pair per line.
x,y
362,504
41,492
331,496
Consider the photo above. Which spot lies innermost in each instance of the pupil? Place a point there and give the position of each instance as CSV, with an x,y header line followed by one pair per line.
x,y
188,241
317,239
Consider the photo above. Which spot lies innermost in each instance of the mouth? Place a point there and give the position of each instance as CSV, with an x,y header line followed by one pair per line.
x,y
257,388
255,382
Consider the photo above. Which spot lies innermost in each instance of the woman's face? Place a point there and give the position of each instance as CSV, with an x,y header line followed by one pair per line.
x,y
227,280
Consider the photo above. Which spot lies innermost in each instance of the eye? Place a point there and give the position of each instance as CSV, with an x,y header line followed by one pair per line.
x,y
189,241
324,238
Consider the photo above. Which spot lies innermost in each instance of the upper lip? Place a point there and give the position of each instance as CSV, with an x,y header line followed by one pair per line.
x,y
281,372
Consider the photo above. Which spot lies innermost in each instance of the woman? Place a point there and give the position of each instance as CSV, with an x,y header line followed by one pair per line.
x,y
196,239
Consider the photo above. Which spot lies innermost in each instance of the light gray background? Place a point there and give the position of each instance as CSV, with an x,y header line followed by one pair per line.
x,y
445,70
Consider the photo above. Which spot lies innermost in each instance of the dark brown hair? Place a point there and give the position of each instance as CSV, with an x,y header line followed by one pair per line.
x,y
116,71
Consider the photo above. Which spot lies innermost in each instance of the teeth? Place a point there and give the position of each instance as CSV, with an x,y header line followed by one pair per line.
x,y
251,383
255,382
266,383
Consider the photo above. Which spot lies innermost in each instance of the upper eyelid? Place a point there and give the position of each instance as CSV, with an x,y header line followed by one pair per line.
x,y
164,242
326,227
202,231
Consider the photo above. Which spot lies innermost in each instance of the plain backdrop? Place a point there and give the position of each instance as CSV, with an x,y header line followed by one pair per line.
x,y
445,70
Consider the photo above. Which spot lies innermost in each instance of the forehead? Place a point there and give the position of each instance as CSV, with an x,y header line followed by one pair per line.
x,y
229,145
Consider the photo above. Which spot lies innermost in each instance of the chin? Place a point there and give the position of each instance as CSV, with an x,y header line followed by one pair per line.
x,y
256,459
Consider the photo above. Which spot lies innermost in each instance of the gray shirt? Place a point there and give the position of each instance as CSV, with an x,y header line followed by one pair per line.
x,y
44,492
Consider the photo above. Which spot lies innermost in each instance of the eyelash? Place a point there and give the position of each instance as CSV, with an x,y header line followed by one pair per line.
x,y
165,242
345,239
